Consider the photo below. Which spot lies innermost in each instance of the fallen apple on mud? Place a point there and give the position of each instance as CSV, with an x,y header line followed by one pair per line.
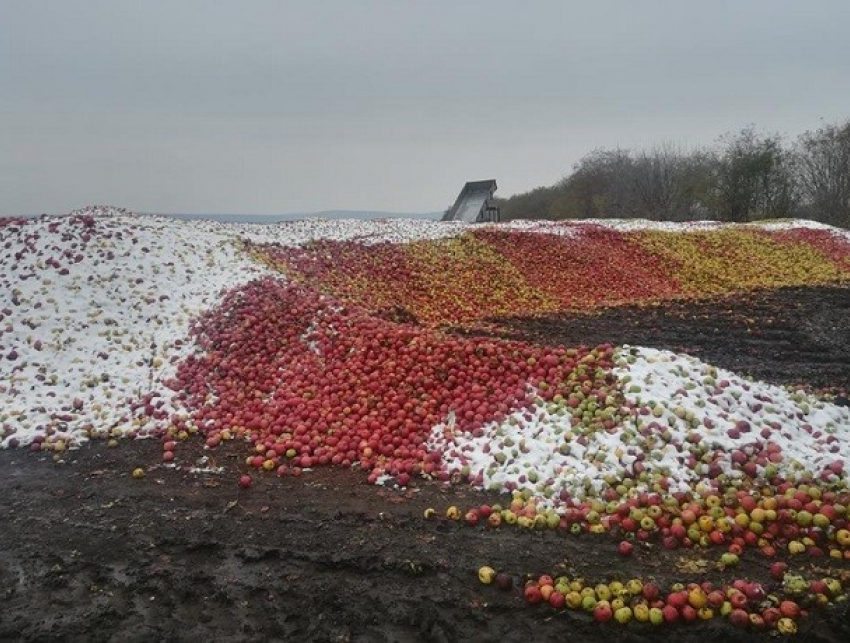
x,y
504,581
486,574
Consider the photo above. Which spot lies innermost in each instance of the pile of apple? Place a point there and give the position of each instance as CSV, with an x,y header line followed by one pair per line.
x,y
743,603
570,269
668,427
94,311
824,241
768,522
315,371
440,282
495,271
734,259
790,520
310,382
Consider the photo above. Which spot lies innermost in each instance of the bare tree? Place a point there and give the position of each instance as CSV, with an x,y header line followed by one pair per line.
x,y
600,185
668,183
748,176
656,189
822,160
754,178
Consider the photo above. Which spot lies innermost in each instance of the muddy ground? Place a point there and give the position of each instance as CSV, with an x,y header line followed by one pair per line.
x,y
87,553
786,336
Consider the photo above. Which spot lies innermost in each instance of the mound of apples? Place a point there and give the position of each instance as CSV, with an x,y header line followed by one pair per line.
x,y
742,603
506,270
310,382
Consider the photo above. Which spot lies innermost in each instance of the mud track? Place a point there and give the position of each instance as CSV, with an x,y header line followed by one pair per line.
x,y
787,336
87,553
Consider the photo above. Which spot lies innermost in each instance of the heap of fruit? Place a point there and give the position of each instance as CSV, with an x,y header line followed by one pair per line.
x,y
491,272
95,310
667,423
310,382
342,364
743,603
788,520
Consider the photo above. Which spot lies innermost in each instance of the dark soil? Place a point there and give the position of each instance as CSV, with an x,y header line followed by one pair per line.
x,y
787,336
87,553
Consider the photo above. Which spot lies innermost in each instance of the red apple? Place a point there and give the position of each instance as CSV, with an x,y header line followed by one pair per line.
x,y
650,591
556,599
789,609
532,594
504,581
739,618
670,613
602,613
778,569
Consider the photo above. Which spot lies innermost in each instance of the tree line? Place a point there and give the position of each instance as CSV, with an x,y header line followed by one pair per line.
x,y
746,176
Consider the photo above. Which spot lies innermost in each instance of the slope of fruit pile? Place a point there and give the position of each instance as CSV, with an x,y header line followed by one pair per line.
x,y
491,272
95,309
310,382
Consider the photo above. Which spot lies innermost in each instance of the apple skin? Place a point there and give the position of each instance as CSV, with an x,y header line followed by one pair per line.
x,y
486,574
755,592
771,616
678,599
602,613
532,594
778,569
739,618
817,586
738,600
716,598
245,481
656,615
789,609
623,615
557,600
689,614
504,581
650,591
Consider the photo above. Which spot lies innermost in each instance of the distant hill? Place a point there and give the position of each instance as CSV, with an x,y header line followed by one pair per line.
x,y
278,218
294,216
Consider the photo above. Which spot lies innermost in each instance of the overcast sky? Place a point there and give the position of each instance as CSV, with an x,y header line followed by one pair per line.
x,y
275,106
